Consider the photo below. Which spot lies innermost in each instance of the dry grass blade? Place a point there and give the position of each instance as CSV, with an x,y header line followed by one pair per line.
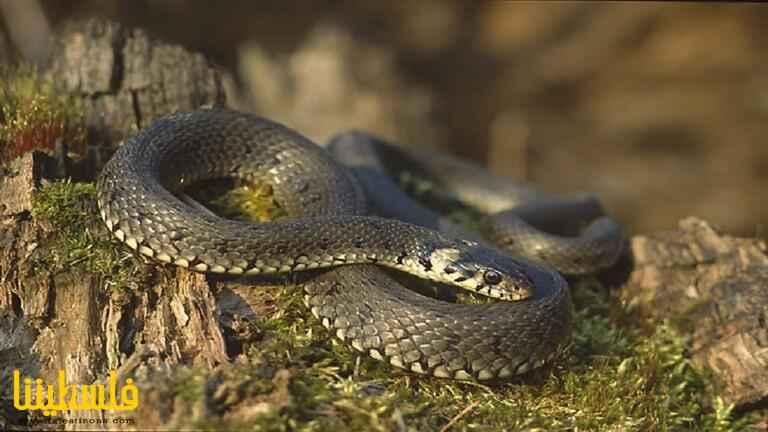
x,y
458,416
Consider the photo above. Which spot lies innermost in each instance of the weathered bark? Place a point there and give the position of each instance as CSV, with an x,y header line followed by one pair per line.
x,y
126,79
55,319
716,287
19,179
67,319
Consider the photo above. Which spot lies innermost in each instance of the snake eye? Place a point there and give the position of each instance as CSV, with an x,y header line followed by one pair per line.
x,y
492,277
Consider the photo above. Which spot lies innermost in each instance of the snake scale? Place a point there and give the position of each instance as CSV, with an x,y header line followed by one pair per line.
x,y
331,234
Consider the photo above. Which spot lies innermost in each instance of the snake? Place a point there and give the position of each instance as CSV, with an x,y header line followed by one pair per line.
x,y
353,257
571,234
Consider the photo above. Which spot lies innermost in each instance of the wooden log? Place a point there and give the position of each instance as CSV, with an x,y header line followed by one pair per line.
x,y
55,317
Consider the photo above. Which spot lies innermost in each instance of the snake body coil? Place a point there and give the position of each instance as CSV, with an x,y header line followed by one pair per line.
x,y
329,228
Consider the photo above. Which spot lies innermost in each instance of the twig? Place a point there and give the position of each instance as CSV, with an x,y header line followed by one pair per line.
x,y
458,416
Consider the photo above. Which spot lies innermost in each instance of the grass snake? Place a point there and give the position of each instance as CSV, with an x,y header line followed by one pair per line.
x,y
332,234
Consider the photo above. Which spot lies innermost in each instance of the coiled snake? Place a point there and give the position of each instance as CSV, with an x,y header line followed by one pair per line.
x,y
330,229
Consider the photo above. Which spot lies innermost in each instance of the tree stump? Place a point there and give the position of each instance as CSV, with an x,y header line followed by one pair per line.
x,y
68,319
126,79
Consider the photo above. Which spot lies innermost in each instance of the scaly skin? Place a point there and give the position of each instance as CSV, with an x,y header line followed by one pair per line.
x,y
329,228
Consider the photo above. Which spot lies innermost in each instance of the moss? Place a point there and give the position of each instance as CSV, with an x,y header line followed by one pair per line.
x,y
64,203
613,379
244,201
189,385
34,116
80,241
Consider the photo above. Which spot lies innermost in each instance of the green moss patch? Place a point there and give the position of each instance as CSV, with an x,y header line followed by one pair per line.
x,y
81,243
238,201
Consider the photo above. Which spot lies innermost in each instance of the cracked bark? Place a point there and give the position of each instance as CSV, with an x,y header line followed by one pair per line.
x,y
67,319
126,79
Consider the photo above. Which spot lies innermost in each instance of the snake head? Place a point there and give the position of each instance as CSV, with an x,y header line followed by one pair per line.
x,y
482,270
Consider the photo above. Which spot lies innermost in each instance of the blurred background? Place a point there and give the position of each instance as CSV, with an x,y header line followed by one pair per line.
x,y
659,108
